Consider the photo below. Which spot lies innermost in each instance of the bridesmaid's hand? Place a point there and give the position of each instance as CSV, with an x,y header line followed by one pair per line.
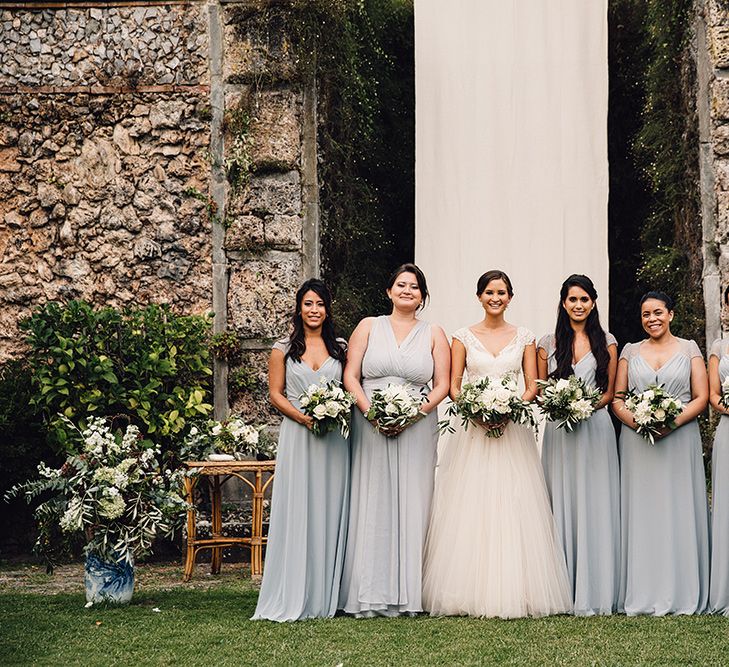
x,y
306,420
663,432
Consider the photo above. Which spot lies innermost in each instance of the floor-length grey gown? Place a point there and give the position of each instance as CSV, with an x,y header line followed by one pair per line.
x,y
664,514
719,591
392,484
309,502
583,478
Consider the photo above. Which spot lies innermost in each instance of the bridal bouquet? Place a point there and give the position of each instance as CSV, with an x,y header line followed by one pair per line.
x,y
653,409
724,400
329,405
394,405
567,401
490,400
233,436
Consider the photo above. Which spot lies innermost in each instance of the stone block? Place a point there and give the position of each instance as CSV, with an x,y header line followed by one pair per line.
x,y
261,294
270,194
719,45
254,403
276,131
720,99
254,53
283,231
244,233
722,218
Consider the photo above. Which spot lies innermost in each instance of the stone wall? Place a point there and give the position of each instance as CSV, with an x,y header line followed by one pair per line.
x,y
157,152
712,54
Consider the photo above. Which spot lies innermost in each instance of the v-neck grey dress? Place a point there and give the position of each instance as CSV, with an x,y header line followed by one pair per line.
x,y
392,484
664,514
309,503
583,478
719,592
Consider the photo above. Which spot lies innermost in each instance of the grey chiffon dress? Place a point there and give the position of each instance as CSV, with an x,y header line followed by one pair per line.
x,y
392,484
583,478
309,501
719,590
664,513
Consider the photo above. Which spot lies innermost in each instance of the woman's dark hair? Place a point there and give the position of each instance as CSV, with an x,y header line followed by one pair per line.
x,y
419,277
726,295
297,345
658,296
564,334
487,277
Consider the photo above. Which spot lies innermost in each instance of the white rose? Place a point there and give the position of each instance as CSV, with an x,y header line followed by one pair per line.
x,y
503,395
659,414
320,411
304,401
331,409
649,395
562,384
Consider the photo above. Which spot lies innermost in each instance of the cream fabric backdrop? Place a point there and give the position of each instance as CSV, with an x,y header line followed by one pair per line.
x,y
511,152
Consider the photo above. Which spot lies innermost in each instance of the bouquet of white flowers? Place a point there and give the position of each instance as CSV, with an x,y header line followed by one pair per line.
x,y
395,405
653,409
234,436
567,401
329,405
490,400
724,400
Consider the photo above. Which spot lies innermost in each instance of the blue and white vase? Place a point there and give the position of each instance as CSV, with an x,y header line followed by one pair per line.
x,y
108,582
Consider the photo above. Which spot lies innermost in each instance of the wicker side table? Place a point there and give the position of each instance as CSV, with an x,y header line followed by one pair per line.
x,y
220,471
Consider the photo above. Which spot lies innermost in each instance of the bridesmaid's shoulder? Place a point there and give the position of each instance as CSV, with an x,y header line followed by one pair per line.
x,y
719,348
547,342
610,339
282,344
365,324
689,347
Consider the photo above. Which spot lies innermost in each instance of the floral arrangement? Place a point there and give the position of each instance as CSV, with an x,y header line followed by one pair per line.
x,y
567,401
395,406
231,436
114,493
329,405
490,400
653,409
724,400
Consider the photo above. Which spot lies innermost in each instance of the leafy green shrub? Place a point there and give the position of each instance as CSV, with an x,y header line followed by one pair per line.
x,y
23,447
226,345
147,363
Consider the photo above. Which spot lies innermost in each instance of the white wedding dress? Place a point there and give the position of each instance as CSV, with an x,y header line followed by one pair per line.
x,y
492,547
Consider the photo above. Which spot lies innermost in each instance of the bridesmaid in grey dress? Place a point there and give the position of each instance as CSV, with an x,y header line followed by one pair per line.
x,y
581,467
310,492
664,514
392,469
718,372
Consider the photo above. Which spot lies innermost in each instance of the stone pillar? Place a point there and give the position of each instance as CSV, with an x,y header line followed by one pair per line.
x,y
712,46
271,215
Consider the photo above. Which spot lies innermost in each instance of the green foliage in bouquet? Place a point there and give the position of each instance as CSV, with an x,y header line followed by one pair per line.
x,y
147,363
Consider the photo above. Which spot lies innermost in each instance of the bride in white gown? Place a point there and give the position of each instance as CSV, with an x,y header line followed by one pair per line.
x,y
492,548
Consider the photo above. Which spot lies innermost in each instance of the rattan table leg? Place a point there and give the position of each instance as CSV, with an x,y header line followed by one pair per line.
x,y
191,528
257,527
217,524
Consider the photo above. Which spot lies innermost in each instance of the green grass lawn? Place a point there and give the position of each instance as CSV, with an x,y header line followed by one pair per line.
x,y
209,625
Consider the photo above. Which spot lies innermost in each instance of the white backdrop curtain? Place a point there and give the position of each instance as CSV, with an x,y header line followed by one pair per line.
x,y
511,152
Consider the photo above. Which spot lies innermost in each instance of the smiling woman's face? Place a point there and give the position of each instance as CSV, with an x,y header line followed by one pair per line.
x,y
655,317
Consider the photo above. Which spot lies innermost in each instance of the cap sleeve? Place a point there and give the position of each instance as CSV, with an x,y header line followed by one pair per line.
x,y
460,335
692,350
717,348
342,342
546,342
629,351
283,345
610,339
527,337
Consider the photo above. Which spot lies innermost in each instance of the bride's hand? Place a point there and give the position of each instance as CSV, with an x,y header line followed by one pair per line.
x,y
492,427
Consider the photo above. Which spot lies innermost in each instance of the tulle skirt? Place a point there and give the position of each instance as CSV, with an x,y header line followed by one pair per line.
x,y
492,548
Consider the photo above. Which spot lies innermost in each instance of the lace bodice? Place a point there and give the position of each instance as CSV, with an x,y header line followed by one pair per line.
x,y
481,363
